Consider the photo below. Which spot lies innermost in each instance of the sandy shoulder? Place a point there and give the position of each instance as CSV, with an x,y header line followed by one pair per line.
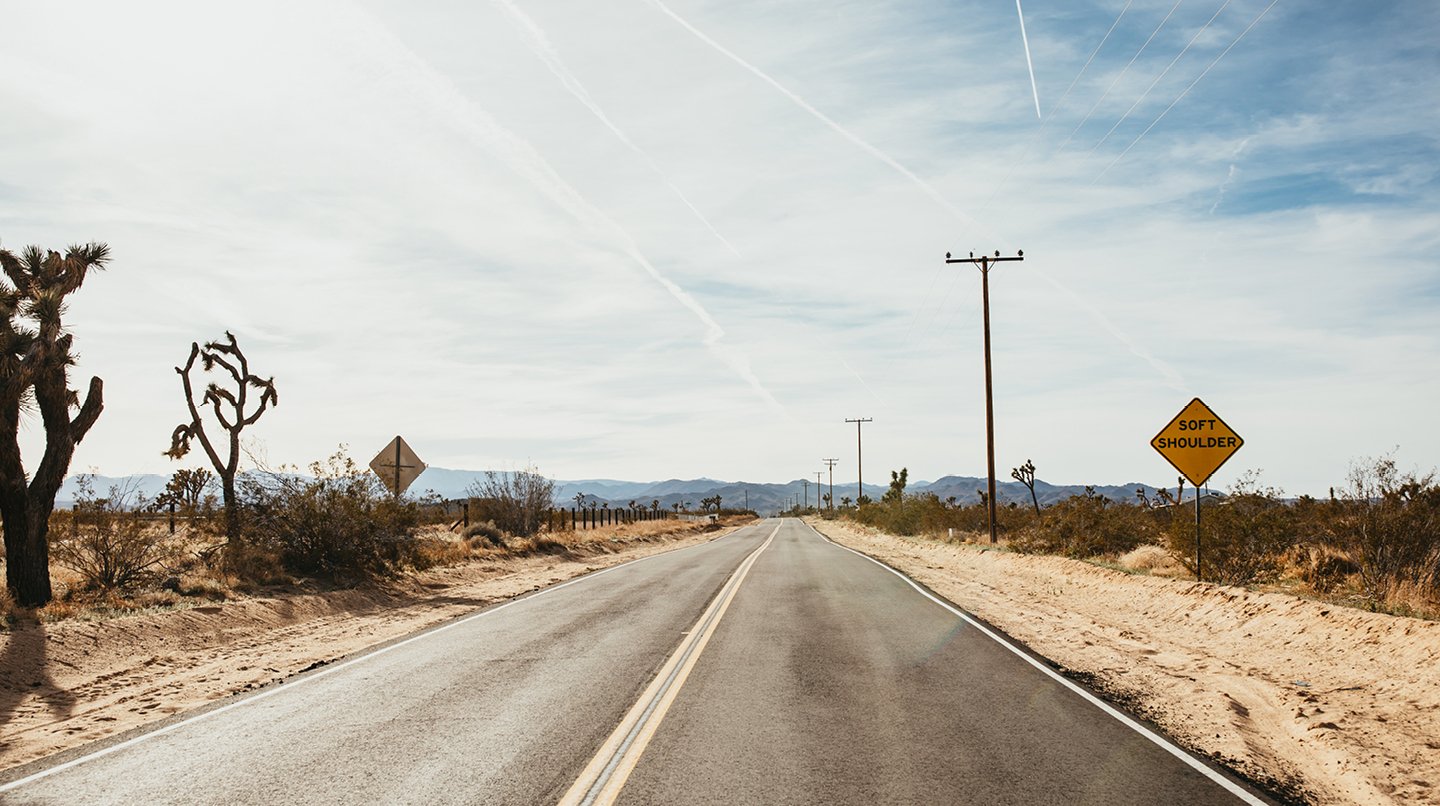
x,y
1334,705
68,683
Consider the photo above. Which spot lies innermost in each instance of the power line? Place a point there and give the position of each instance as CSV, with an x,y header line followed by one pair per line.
x,y
1119,76
1162,75
1186,91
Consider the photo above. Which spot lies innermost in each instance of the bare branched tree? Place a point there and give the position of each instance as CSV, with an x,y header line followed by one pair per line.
x,y
229,410
35,361
520,500
1025,474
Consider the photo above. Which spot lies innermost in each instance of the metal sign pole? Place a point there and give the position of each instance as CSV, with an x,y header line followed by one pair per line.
x,y
1199,577
397,467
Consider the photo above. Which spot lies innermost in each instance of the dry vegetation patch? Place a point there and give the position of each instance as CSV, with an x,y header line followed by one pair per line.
x,y
1332,704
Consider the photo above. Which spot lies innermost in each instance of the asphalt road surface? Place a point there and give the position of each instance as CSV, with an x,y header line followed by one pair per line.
x,y
766,667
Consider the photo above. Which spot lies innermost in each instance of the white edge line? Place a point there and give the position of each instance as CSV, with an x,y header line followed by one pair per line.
x,y
1161,741
290,686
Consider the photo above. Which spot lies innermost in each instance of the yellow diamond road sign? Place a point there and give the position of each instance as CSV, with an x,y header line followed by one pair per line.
x,y
1197,442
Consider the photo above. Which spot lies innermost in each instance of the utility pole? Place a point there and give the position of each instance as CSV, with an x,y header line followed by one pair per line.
x,y
806,482
983,263
859,463
830,463
818,488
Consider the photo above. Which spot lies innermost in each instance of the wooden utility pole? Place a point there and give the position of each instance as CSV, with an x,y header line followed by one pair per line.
x,y
859,463
983,263
830,463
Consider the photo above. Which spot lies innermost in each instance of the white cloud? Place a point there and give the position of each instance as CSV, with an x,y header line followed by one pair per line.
x,y
418,226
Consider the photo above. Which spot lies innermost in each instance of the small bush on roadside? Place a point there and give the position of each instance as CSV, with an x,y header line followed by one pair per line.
x,y
487,531
1323,567
1390,522
109,541
518,501
1243,538
341,522
1088,525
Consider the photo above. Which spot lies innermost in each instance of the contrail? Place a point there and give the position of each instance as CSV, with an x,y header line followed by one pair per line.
x,y
539,44
863,382
521,157
1035,135
1026,41
1118,76
1162,75
1187,89
836,127
1172,377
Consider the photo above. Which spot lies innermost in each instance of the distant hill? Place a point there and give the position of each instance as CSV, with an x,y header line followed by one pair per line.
x,y
763,497
966,490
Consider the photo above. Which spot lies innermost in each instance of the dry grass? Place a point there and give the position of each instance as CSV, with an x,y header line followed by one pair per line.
x,y
193,582
1152,560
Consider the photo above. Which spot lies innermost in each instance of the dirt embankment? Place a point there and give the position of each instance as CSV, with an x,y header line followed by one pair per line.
x,y
66,683
1333,705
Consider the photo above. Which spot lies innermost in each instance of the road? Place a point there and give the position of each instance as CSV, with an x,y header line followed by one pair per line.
x,y
767,667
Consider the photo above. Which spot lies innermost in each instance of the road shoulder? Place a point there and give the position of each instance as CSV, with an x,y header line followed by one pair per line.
x,y
1327,705
68,684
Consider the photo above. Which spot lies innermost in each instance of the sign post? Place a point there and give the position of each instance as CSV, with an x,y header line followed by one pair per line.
x,y
1196,443
397,466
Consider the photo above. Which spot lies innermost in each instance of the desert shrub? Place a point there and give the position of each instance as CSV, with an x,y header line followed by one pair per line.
x,y
109,541
1390,522
486,531
518,502
925,513
1088,525
1244,538
1323,567
340,522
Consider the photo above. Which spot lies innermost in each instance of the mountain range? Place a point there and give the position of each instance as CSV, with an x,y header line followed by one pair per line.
x,y
763,497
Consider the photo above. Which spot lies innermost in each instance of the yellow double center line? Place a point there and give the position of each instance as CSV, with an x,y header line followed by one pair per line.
x,y
607,772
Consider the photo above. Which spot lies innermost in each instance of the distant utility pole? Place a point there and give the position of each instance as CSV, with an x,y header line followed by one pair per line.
x,y
830,463
806,482
818,488
983,263
859,463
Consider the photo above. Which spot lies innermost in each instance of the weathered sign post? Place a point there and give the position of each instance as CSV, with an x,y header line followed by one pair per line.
x,y
1197,442
397,465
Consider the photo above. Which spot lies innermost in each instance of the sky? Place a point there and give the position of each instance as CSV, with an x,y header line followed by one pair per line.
x,y
650,239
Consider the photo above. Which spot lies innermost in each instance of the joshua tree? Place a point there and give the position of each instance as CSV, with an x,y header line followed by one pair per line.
x,y
844,500
228,357
1025,474
655,505
675,506
35,361
580,500
187,487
